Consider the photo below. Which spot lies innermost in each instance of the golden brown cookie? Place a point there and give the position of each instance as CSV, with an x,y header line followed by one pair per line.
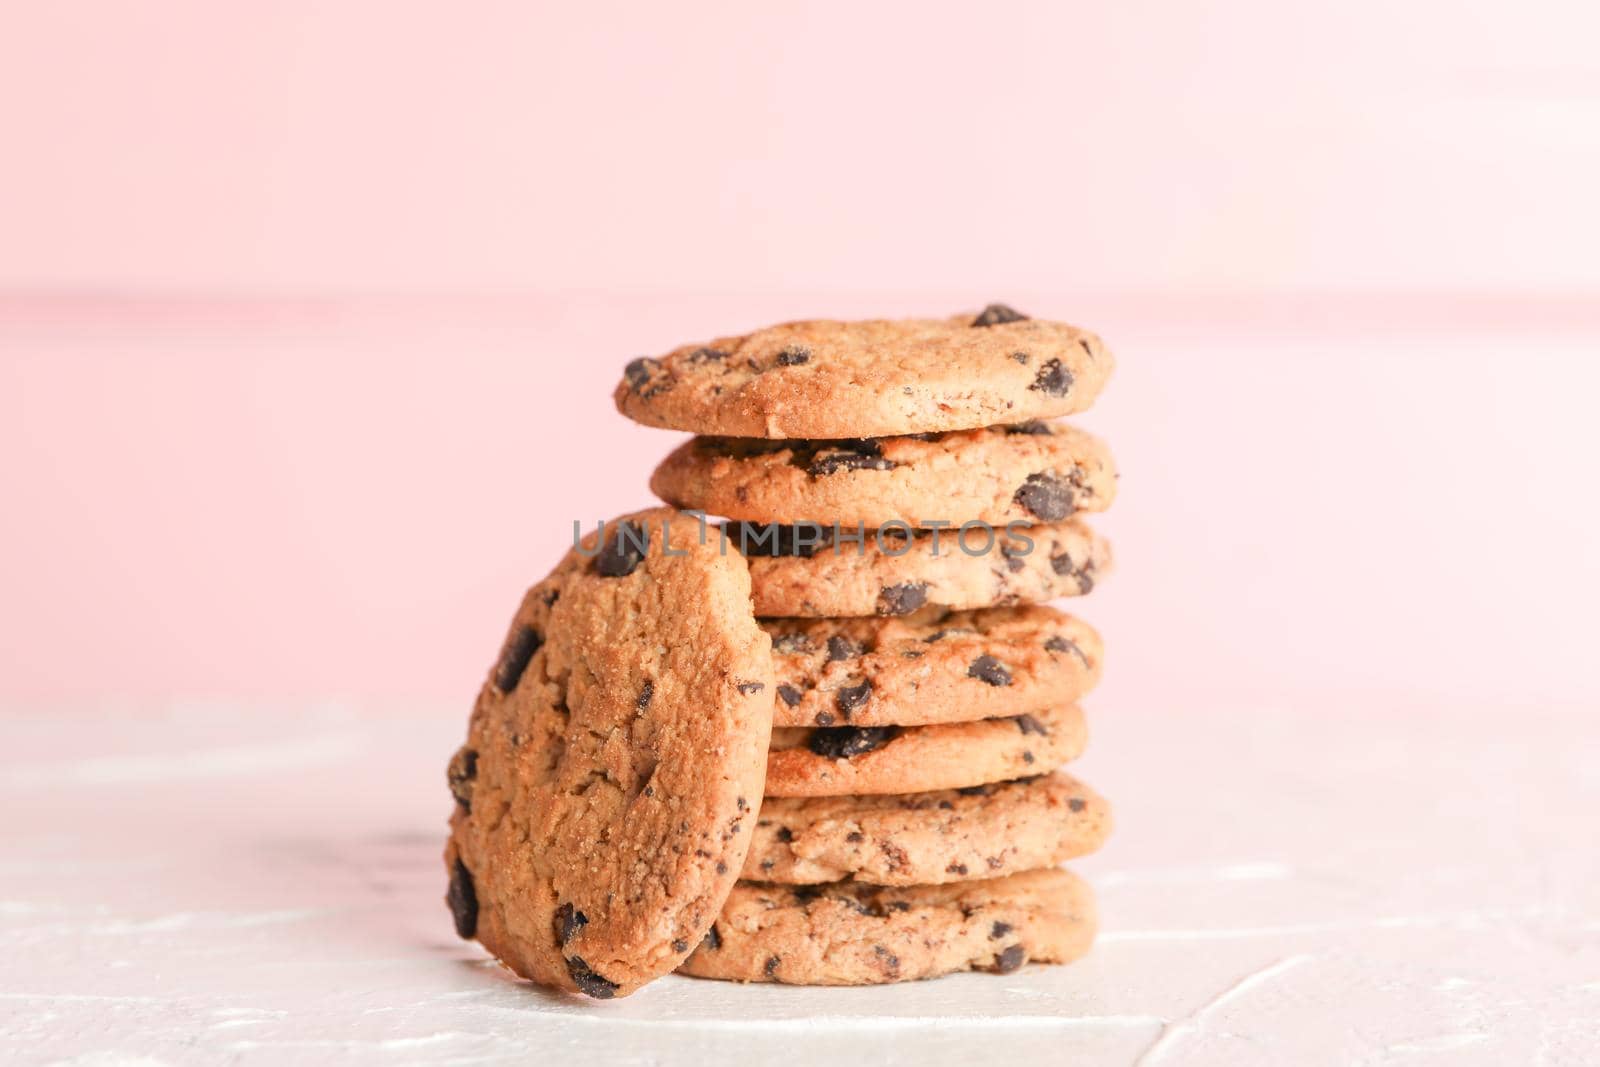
x,y
614,762
843,760
851,379
811,572
984,831
930,666
1027,473
853,934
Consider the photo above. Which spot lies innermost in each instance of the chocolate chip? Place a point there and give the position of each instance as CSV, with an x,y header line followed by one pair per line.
x,y
902,599
1009,960
995,314
1021,357
784,834
680,945
1027,757
852,697
747,688
1029,725
770,968
1045,496
638,372
569,921
824,718
842,648
624,551
988,669
855,837
1064,566
956,868
1057,643
589,983
1053,379
706,354
890,962
1077,804
645,694
975,790
514,657
794,355
771,539
792,644
463,900
1031,428
463,769
843,742
999,930
713,940
789,695
865,454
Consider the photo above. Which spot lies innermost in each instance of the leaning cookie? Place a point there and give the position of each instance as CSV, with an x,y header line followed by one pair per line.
x,y
827,572
849,379
614,762
844,760
1027,473
930,666
853,934
984,831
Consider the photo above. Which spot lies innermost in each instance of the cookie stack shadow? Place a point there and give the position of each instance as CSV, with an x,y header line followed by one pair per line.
x,y
907,504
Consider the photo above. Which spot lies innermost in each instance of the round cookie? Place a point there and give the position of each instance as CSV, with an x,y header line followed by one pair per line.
x,y
931,666
1028,473
613,758
854,934
801,572
845,760
880,377
928,838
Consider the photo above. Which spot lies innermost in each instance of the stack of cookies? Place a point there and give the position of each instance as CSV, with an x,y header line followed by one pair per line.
x,y
806,728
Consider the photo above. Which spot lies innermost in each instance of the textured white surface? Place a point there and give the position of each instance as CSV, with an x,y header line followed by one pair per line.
x,y
1377,884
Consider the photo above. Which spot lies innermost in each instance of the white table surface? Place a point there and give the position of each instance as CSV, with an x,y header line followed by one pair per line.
x,y
1288,884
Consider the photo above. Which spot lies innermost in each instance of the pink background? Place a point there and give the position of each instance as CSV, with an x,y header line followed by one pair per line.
x,y
309,314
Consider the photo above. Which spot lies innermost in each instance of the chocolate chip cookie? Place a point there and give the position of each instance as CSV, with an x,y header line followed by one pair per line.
x,y
853,934
841,760
880,377
984,831
1027,473
614,762
930,666
797,571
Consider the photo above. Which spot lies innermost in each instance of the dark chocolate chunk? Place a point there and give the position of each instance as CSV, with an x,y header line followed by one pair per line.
x,y
1021,357
1031,428
707,355
843,742
645,695
995,314
770,968
1029,725
902,599
638,372
865,454
1057,643
852,697
713,940
1053,379
514,657
1077,804
794,355
824,718
789,695
747,688
999,930
463,769
623,551
463,900
988,669
784,834
1009,960
588,982
1045,496
1064,566
840,647
569,921
680,945
957,868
